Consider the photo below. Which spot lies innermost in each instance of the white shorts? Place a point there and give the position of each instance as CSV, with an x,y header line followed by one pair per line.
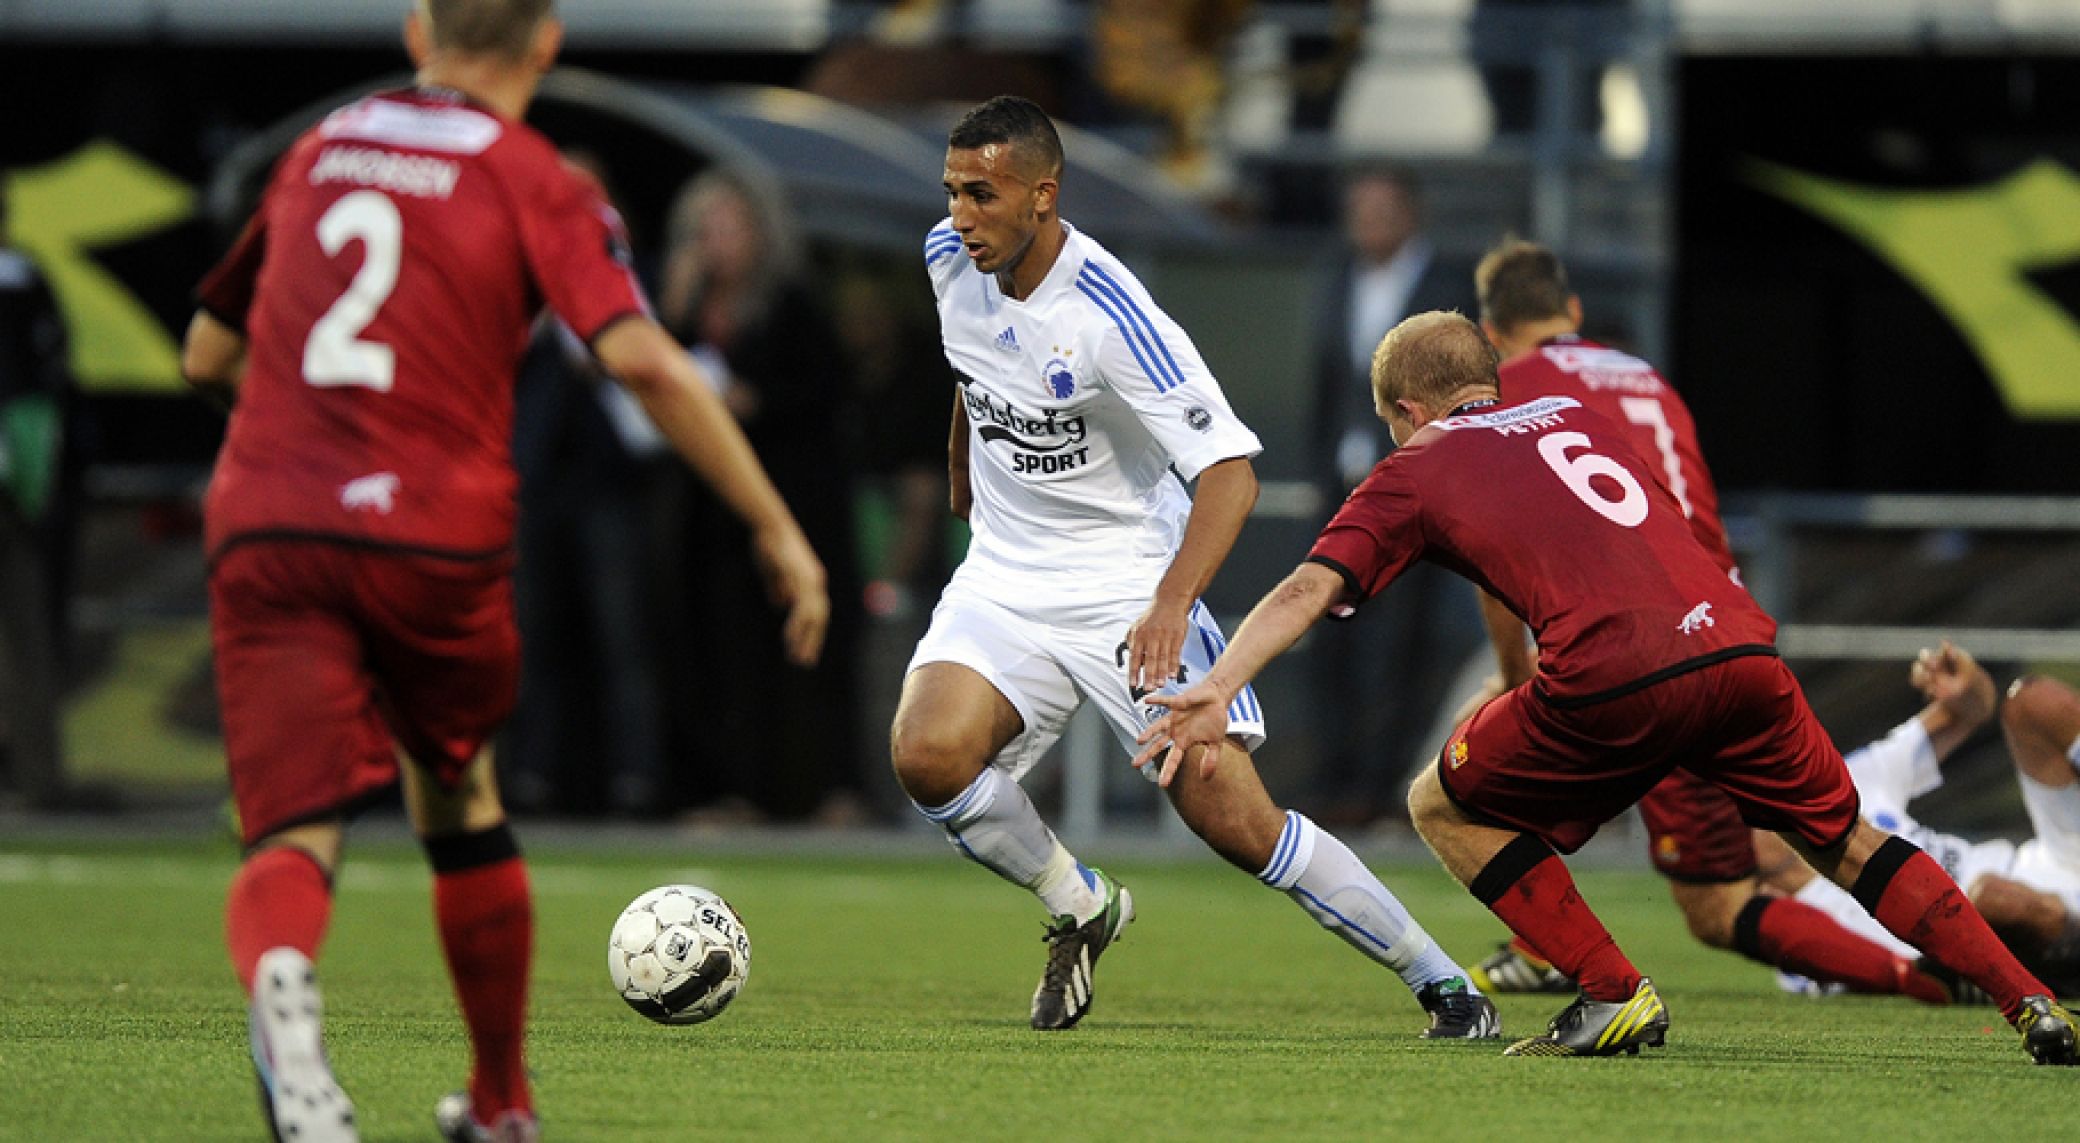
x,y
2050,861
1048,657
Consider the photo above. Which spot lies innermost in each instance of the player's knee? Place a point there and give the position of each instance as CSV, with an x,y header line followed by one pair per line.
x,y
1427,802
2002,902
2039,719
934,764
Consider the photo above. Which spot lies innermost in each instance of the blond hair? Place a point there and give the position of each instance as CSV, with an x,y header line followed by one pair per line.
x,y
1430,357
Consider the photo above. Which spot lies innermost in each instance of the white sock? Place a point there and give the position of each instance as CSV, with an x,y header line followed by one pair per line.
x,y
1325,878
996,826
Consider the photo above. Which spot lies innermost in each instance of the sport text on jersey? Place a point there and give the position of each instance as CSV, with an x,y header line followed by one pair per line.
x,y
1042,443
1529,417
1603,368
418,175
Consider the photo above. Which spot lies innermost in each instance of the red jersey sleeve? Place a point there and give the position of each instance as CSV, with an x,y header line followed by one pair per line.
x,y
1373,538
226,292
578,252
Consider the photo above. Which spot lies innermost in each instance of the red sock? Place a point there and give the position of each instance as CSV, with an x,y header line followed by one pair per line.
x,y
486,920
1796,937
280,896
1913,898
1529,887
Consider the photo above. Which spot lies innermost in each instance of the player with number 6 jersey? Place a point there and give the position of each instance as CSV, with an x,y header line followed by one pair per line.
x,y
1650,658
368,326
1695,835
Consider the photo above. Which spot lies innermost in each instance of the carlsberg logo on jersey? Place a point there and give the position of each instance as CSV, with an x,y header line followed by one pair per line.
x,y
1044,442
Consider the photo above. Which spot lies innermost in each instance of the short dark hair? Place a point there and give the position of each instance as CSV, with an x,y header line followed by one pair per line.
x,y
485,27
1520,282
1010,119
1430,357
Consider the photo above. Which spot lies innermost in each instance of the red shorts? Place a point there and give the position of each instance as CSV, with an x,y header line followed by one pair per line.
x,y
1742,725
330,658
1695,833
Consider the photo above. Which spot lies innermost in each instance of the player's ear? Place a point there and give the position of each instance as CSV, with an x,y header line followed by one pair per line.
x,y
1574,310
548,41
1044,194
418,42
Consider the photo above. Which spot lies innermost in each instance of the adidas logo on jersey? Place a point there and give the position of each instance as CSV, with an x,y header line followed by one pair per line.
x,y
1008,340
375,492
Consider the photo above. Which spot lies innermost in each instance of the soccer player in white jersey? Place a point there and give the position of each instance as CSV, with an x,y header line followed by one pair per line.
x,y
1078,399
2028,892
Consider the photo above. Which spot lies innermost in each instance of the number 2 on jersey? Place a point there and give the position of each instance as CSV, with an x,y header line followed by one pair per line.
x,y
334,354
1631,505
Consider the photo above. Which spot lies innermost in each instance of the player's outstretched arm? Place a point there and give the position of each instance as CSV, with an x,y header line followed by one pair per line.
x,y
1960,696
213,358
643,357
1198,715
1226,492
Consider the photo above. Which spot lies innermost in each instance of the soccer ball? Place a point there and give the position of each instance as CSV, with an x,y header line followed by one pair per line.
x,y
679,954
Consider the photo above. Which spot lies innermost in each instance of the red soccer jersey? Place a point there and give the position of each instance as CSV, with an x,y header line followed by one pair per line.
x,y
1630,393
1545,505
386,287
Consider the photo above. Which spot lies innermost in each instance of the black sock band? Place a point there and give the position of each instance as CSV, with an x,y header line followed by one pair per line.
x,y
1507,868
455,852
1747,928
1878,871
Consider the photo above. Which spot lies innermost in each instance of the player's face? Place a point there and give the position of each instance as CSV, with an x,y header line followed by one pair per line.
x,y
996,204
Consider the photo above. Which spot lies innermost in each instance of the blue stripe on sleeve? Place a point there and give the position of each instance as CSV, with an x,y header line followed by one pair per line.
x,y
1146,345
1150,326
1133,343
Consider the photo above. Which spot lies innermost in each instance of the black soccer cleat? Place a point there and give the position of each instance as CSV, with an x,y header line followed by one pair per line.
x,y
1065,994
1457,1012
1602,1028
2048,1032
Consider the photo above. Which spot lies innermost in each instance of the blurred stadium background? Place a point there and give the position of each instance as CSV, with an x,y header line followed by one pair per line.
x,y
1849,232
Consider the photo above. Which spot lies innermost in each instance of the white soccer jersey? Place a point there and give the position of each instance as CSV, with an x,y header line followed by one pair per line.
x,y
1080,400
1900,767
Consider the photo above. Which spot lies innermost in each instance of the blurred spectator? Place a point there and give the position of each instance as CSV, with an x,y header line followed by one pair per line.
x,y
1511,39
783,741
1381,679
901,381
591,465
1169,58
38,517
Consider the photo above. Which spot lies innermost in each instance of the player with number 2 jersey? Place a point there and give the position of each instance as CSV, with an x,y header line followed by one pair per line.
x,y
387,286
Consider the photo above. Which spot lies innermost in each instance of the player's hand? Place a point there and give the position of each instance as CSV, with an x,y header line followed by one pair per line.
x,y
1154,644
1194,726
1491,689
795,580
1949,677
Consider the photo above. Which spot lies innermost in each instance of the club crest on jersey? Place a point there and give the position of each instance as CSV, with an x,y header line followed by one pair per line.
x,y
1061,381
376,492
1699,618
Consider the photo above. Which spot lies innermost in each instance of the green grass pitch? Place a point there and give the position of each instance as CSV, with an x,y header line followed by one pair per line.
x,y
887,1000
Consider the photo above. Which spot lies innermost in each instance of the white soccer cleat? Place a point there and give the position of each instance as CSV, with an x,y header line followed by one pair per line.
x,y
302,1101
458,1124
